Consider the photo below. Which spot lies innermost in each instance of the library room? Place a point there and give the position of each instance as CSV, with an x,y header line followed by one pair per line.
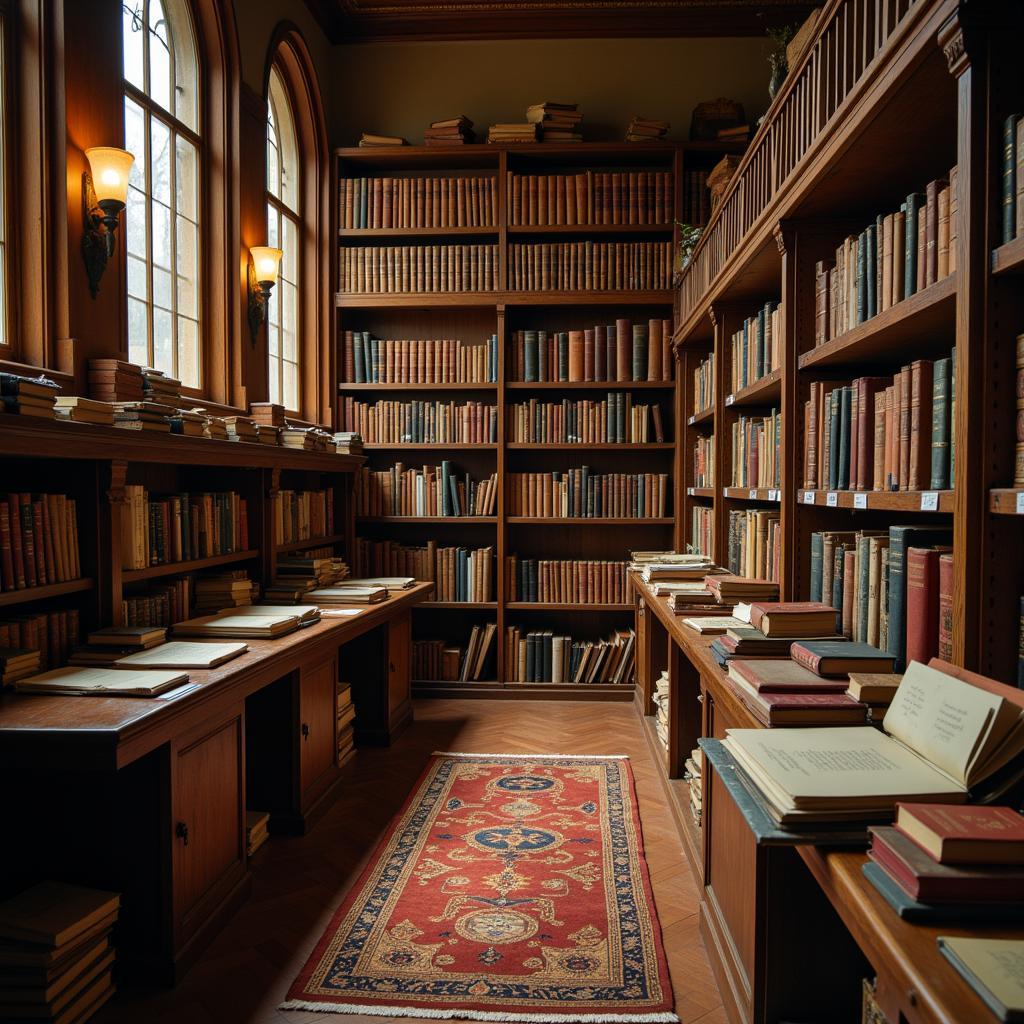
x,y
511,511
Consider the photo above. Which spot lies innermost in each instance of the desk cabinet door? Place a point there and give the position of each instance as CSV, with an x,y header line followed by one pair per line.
x,y
317,722
208,822
399,648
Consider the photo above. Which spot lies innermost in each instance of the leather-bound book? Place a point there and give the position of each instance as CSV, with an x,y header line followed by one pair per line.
x,y
577,357
921,376
772,675
623,350
654,349
962,834
922,569
838,658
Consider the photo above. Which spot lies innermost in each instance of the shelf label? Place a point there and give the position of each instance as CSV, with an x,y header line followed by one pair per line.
x,y
692,420
753,493
808,497
860,500
689,491
775,495
832,499
1020,503
929,501
729,399
725,492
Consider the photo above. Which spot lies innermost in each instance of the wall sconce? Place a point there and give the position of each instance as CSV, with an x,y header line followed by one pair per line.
x,y
264,265
104,194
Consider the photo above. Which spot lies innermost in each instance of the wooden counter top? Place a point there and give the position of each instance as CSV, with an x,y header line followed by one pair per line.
x,y
109,732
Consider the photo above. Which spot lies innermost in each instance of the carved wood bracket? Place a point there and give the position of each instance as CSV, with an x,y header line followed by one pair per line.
x,y
118,476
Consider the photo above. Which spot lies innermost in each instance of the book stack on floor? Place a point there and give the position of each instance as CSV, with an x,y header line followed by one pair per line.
x,y
645,129
346,724
450,131
539,656
28,396
558,122
368,140
512,132
114,380
84,410
950,862
693,771
661,707
875,690
56,953
230,589
857,775
257,830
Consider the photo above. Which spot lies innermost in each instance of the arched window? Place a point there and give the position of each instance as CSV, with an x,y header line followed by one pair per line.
x,y
284,215
162,129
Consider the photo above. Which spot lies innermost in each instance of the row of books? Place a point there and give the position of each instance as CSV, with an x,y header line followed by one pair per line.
x,y
704,462
1012,183
429,491
422,422
882,433
581,493
625,351
541,656
693,773
163,604
369,360
436,660
38,540
756,347
393,269
894,257
892,589
458,573
591,197
756,451
547,121
661,698
27,396
704,385
302,515
344,729
52,635
1018,460
180,527
702,530
614,420
589,266
696,198
419,202
565,581
754,543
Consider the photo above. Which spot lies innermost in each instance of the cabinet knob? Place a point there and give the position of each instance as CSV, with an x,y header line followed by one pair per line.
x,y
305,731
181,832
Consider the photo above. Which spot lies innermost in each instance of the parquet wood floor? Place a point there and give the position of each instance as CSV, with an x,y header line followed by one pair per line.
x,y
245,972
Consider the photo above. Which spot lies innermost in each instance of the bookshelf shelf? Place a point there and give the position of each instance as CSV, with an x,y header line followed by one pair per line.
x,y
153,572
13,597
415,300
1006,501
631,446
435,520
892,501
313,542
652,297
353,234
771,494
459,605
343,387
762,392
897,333
591,385
1009,258
559,606
591,521
700,492
589,229
435,300
705,416
431,446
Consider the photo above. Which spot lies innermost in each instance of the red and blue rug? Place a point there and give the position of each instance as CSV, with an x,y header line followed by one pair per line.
x,y
508,888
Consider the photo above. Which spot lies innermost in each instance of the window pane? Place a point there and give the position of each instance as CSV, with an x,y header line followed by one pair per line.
x,y
162,288
159,56
272,334
138,332
188,352
273,233
275,389
161,157
135,217
188,269
132,22
162,341
186,179
135,141
161,254
290,246
291,386
286,142
289,320
137,278
273,168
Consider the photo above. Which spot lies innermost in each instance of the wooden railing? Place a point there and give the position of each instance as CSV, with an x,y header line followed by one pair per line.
x,y
850,36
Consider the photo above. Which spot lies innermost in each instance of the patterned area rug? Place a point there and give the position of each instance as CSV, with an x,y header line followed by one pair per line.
x,y
508,888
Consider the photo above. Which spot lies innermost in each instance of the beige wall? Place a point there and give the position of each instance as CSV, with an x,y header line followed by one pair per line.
x,y
398,88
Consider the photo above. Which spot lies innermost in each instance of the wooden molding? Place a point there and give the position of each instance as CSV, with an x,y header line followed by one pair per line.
x,y
954,48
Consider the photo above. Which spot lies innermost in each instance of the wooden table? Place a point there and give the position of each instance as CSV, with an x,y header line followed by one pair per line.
x,y
148,797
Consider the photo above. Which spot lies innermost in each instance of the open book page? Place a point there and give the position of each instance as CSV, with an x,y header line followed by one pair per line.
x,y
836,766
948,722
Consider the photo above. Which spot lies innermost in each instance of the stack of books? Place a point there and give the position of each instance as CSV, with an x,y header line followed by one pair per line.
x,y
267,414
772,628
875,690
298,437
84,410
114,380
452,131
512,133
737,133
368,140
231,589
348,442
85,681
127,639
661,702
188,424
17,663
345,595
732,589
28,396
689,597
693,770
714,625
645,129
152,416
214,427
240,624
158,387
345,728
257,830
56,954
950,862
241,428
182,654
296,570
559,122
676,569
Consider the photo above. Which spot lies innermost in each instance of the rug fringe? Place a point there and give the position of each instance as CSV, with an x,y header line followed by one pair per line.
x,y
485,1015
537,757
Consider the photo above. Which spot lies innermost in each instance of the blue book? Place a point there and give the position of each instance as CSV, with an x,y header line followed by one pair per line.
x,y
871,272
817,551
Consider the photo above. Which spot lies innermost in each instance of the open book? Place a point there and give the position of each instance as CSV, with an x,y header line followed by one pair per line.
x,y
942,736
100,682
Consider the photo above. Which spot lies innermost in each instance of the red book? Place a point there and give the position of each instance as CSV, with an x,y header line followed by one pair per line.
x,y
840,657
588,355
793,618
946,607
922,604
961,834
6,558
782,709
925,879
775,676
17,548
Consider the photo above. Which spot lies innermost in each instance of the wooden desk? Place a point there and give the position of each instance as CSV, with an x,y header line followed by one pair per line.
x,y
148,797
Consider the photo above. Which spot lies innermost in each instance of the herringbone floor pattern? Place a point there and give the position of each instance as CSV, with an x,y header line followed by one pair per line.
x,y
244,974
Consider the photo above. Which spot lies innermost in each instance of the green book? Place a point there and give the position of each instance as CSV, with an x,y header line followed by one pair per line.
x,y
1010,177
941,382
914,203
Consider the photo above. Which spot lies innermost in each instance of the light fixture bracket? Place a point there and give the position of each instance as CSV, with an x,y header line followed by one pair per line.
x,y
101,221
259,303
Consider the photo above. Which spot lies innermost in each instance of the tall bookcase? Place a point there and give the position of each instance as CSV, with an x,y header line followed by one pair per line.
x,y
473,316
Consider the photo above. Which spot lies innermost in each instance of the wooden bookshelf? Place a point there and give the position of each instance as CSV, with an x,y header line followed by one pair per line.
x,y
470,317
153,572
